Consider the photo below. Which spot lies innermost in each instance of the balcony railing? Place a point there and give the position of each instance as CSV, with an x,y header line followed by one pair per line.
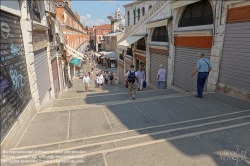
x,y
160,38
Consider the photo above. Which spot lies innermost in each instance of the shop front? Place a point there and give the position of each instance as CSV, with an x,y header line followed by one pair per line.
x,y
140,62
128,62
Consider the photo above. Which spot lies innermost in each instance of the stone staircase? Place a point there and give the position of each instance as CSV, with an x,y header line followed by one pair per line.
x,y
182,117
93,147
161,4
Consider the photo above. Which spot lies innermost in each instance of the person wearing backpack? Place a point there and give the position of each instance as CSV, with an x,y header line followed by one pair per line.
x,y
132,81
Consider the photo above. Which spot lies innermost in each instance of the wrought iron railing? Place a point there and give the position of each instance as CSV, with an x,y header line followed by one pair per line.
x,y
205,20
160,38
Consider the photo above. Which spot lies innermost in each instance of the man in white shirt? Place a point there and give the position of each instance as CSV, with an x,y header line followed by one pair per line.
x,y
131,81
141,76
86,82
161,77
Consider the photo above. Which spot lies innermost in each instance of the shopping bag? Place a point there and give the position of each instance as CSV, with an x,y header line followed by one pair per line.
x,y
144,85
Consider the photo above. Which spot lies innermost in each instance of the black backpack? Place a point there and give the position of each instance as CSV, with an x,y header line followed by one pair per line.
x,y
131,77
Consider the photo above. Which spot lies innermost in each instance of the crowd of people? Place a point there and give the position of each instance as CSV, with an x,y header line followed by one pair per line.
x,y
135,80
102,77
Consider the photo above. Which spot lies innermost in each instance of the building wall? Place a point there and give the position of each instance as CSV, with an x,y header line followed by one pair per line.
x,y
75,34
130,8
30,43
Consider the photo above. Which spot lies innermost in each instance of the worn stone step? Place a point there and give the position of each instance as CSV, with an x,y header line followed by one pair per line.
x,y
130,138
76,104
130,143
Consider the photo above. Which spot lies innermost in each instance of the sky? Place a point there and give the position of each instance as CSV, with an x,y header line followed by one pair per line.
x,y
95,12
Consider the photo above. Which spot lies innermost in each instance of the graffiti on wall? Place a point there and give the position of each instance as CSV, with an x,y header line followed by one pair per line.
x,y
14,83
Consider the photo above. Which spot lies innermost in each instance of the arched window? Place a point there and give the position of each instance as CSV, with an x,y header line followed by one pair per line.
x,y
199,13
143,11
160,34
139,14
149,7
128,18
141,44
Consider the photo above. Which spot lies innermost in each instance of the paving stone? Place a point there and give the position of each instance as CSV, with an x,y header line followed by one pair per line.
x,y
87,100
156,113
95,160
88,122
64,103
46,128
174,153
183,109
108,98
234,102
125,117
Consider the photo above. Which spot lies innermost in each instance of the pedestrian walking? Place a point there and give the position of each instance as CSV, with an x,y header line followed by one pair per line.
x,y
132,81
141,76
111,78
161,77
203,67
86,82
99,81
106,77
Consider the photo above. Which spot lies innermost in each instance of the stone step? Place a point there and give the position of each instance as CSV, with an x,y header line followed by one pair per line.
x,y
130,139
76,103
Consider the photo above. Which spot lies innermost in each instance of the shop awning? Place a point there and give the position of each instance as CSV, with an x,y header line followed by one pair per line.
x,y
181,3
102,57
98,55
159,23
112,56
128,41
75,53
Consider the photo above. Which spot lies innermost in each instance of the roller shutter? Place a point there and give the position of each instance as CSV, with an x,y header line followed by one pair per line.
x,y
235,62
55,78
184,63
42,73
155,61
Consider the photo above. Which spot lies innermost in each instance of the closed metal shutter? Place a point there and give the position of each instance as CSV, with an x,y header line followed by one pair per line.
x,y
235,62
14,80
42,73
61,73
155,61
55,78
121,75
184,63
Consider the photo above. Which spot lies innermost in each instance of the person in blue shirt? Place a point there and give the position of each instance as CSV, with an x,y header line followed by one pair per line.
x,y
203,67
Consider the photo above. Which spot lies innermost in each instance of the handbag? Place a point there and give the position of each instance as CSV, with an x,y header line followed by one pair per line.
x,y
144,84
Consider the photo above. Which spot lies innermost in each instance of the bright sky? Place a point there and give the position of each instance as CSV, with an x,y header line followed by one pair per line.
x,y
95,12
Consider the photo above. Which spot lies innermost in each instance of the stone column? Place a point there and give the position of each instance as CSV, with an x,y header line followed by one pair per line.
x,y
216,51
147,64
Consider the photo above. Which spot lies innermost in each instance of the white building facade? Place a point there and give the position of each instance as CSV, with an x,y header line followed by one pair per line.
x,y
173,33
